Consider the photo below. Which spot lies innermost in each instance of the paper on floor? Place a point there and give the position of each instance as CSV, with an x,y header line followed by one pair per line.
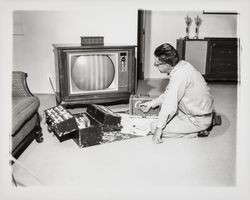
x,y
135,125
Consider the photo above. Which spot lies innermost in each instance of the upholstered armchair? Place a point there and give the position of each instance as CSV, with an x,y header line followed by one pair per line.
x,y
25,117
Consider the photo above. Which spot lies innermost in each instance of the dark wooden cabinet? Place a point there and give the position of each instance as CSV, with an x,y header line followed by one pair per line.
x,y
94,74
215,58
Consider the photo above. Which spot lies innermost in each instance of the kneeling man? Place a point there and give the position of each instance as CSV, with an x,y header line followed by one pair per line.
x,y
186,105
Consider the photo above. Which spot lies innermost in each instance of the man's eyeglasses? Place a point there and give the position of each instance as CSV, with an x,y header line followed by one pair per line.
x,y
158,64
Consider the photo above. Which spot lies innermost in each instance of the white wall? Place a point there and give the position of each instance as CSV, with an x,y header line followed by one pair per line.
x,y
168,26
36,31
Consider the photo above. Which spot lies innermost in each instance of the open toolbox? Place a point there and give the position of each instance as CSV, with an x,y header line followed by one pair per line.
x,y
86,128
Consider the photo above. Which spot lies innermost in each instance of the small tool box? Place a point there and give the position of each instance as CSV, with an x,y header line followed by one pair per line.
x,y
86,128
134,106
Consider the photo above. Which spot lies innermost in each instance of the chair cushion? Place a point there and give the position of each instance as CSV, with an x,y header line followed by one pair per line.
x,y
23,132
23,108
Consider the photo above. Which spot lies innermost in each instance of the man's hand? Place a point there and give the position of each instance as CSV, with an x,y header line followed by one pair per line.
x,y
145,107
157,139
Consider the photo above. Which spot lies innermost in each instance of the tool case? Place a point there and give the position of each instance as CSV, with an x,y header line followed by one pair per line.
x,y
86,128
61,122
134,106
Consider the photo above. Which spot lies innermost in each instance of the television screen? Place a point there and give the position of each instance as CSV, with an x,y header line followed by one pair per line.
x,y
92,72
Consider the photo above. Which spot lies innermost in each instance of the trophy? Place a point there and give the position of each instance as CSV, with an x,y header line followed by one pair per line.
x,y
188,21
197,21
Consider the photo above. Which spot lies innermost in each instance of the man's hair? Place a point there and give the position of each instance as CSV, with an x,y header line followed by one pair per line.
x,y
167,54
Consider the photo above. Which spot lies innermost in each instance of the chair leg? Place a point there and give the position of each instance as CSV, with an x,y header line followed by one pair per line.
x,y
39,134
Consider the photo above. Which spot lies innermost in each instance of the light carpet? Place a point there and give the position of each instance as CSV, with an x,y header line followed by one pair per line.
x,y
138,162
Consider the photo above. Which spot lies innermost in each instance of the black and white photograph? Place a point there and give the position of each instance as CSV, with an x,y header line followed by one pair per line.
x,y
124,100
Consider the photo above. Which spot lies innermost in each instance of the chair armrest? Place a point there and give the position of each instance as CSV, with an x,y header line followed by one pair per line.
x,y
19,84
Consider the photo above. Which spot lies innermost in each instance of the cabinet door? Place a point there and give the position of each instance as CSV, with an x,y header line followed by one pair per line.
x,y
222,60
196,54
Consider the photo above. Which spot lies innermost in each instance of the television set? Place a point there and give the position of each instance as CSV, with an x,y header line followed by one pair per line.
x,y
94,74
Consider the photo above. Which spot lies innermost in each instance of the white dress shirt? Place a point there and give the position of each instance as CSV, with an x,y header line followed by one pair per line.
x,y
187,92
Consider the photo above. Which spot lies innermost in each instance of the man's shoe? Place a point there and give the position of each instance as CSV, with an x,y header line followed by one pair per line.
x,y
216,120
204,133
